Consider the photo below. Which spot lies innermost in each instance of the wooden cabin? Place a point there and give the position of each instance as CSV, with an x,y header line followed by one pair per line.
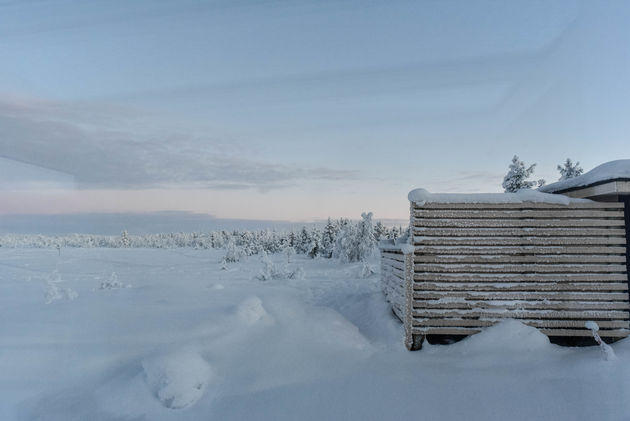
x,y
471,260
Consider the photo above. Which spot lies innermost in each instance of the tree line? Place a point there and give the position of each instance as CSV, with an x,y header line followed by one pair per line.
x,y
339,238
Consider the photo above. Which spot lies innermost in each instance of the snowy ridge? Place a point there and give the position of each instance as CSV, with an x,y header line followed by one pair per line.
x,y
609,171
422,196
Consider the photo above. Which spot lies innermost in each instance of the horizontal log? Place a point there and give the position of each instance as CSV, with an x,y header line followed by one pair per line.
x,y
391,248
509,305
398,312
534,258
525,250
397,272
396,257
518,232
523,295
516,213
515,277
395,298
616,333
521,287
519,206
522,314
394,282
603,324
519,268
420,240
393,263
393,289
517,223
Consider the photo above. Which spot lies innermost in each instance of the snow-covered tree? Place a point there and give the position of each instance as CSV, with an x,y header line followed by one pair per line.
x,y
233,253
303,241
314,248
345,248
124,239
356,242
380,231
289,251
328,239
366,243
569,169
516,178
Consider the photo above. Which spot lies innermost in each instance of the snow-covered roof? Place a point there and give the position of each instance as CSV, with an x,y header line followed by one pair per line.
x,y
610,171
422,196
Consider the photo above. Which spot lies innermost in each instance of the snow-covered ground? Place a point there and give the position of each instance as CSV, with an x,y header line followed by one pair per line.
x,y
154,334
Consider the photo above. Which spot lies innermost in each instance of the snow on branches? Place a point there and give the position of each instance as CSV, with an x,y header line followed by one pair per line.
x,y
516,178
569,169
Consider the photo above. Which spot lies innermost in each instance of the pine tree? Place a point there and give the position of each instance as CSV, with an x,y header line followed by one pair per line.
x,y
345,249
292,240
516,178
380,231
569,170
314,248
303,241
328,239
124,239
365,242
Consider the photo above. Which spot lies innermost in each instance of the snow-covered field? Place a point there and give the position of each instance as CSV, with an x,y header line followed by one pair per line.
x,y
154,334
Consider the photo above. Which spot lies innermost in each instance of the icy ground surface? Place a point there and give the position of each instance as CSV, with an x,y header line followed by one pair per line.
x,y
175,337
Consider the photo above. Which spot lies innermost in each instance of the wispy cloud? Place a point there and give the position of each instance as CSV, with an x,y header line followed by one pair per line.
x,y
102,148
470,181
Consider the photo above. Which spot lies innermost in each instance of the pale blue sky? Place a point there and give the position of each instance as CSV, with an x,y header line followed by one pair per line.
x,y
296,110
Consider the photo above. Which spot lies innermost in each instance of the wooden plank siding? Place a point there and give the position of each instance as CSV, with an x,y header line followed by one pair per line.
x,y
553,267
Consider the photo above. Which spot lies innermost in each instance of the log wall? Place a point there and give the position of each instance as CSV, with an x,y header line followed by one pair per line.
x,y
553,267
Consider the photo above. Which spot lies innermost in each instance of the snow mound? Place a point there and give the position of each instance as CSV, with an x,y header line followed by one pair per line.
x,y
509,336
177,380
613,170
251,311
422,196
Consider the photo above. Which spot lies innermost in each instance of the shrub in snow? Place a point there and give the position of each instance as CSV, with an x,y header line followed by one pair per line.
x,y
113,283
516,178
289,252
297,273
233,253
177,380
271,270
607,352
366,270
56,292
569,170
